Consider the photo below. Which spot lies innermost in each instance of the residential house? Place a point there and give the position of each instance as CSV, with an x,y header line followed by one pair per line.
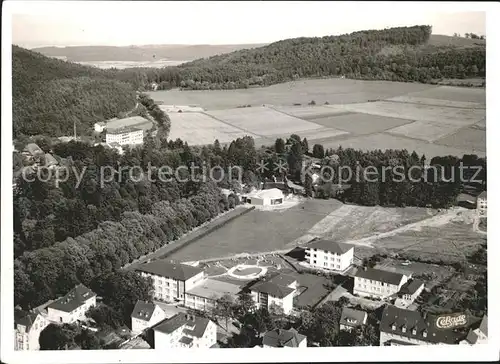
x,y
27,330
203,296
371,282
278,290
478,335
409,293
279,338
327,254
268,197
72,306
185,331
145,315
50,161
482,204
400,326
125,136
100,127
351,318
171,280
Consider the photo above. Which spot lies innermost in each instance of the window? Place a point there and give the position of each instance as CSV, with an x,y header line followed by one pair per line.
x,y
325,264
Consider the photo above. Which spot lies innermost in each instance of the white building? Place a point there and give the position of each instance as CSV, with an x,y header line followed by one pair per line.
x,y
171,280
371,282
278,290
351,319
185,331
409,293
404,327
28,329
146,314
327,254
271,196
72,306
482,204
125,136
478,335
280,338
203,296
100,127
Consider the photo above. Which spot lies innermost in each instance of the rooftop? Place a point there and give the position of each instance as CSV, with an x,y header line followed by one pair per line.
x,y
73,299
33,149
281,279
137,121
123,130
143,310
165,268
351,317
380,275
270,193
26,320
195,325
482,195
411,286
214,289
331,246
415,326
280,338
271,289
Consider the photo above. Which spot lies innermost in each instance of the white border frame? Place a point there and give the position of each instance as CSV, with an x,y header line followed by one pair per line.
x,y
488,352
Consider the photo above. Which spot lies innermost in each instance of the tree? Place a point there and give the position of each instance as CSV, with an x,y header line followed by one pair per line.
x,y
305,146
55,337
223,309
244,304
318,151
279,146
308,185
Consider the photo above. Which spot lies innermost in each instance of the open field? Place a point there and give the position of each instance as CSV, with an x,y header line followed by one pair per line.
x,y
437,114
387,141
333,90
424,130
461,94
199,128
308,112
467,138
361,124
262,121
437,102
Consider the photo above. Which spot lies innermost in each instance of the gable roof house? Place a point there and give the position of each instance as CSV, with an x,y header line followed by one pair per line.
x,y
478,335
330,255
409,292
72,306
371,282
279,338
185,331
278,290
145,314
28,328
351,318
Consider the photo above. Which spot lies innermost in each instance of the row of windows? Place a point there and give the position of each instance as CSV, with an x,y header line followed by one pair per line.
x,y
372,281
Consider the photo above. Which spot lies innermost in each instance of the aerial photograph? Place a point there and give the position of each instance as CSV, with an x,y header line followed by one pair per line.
x,y
199,183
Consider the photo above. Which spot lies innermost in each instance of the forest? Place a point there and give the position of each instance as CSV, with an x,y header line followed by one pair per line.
x,y
50,95
394,54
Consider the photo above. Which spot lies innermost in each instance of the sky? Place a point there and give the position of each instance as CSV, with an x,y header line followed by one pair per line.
x,y
64,23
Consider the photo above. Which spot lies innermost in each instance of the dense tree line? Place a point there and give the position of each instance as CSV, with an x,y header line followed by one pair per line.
x,y
49,95
395,54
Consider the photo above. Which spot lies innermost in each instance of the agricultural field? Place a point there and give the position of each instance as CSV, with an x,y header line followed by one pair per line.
x,y
262,121
308,112
199,128
467,138
424,130
437,102
361,124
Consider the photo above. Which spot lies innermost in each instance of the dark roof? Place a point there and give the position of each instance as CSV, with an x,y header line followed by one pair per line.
x,y
164,268
186,340
143,310
484,325
331,246
196,325
411,286
281,279
352,317
482,195
399,342
73,299
472,337
380,275
279,338
26,320
272,289
411,320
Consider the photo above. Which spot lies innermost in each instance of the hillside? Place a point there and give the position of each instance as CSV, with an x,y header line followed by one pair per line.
x,y
49,94
414,56
173,52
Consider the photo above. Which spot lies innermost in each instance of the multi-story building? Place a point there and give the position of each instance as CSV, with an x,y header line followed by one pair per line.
x,y
171,280
482,204
203,296
327,254
351,319
478,335
27,330
145,315
280,338
72,306
185,331
399,326
371,282
409,293
125,136
278,290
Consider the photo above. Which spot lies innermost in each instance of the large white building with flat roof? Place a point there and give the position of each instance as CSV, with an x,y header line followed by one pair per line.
x,y
125,136
327,254
203,296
